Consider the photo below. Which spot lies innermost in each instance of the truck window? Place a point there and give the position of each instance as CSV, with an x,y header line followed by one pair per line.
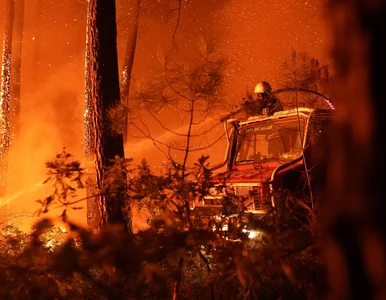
x,y
278,139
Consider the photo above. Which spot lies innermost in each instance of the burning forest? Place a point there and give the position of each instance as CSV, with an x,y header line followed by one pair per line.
x,y
191,149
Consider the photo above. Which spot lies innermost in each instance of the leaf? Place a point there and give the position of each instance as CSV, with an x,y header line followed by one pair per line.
x,y
288,272
62,288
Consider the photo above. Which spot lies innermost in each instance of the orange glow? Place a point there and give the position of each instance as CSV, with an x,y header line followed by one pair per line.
x,y
254,36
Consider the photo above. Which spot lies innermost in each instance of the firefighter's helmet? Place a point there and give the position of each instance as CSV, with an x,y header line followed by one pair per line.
x,y
263,87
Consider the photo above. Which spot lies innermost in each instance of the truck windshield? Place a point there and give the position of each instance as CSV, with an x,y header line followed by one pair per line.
x,y
275,139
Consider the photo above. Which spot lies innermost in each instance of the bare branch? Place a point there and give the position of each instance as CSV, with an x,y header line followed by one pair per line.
x,y
178,20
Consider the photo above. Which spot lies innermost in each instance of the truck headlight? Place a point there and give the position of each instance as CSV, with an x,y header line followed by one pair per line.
x,y
253,234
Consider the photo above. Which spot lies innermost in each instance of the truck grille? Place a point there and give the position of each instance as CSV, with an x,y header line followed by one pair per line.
x,y
262,198
258,197
243,190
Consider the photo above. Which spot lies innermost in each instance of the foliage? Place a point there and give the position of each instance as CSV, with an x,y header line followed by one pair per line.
x,y
302,71
188,85
12,242
65,175
180,256
189,79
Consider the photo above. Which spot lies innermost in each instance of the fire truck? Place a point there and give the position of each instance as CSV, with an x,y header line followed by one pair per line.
x,y
267,156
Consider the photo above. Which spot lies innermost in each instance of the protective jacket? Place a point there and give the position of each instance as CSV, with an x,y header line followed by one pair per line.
x,y
267,107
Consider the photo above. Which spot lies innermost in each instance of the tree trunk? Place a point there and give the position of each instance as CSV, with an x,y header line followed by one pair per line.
x,y
17,50
5,138
102,94
354,206
129,61
93,203
37,52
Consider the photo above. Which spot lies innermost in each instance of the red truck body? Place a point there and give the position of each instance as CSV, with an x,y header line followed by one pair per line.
x,y
267,155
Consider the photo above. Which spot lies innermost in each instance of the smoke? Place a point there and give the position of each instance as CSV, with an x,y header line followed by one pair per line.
x,y
52,83
51,119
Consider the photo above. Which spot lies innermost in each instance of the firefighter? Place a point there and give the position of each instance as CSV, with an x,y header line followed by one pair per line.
x,y
265,104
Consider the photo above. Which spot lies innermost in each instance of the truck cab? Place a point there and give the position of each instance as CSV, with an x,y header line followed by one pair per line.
x,y
266,156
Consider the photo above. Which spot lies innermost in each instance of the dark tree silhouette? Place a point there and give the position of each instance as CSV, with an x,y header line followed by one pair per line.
x,y
17,50
301,71
102,94
190,86
129,61
354,206
39,38
5,99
